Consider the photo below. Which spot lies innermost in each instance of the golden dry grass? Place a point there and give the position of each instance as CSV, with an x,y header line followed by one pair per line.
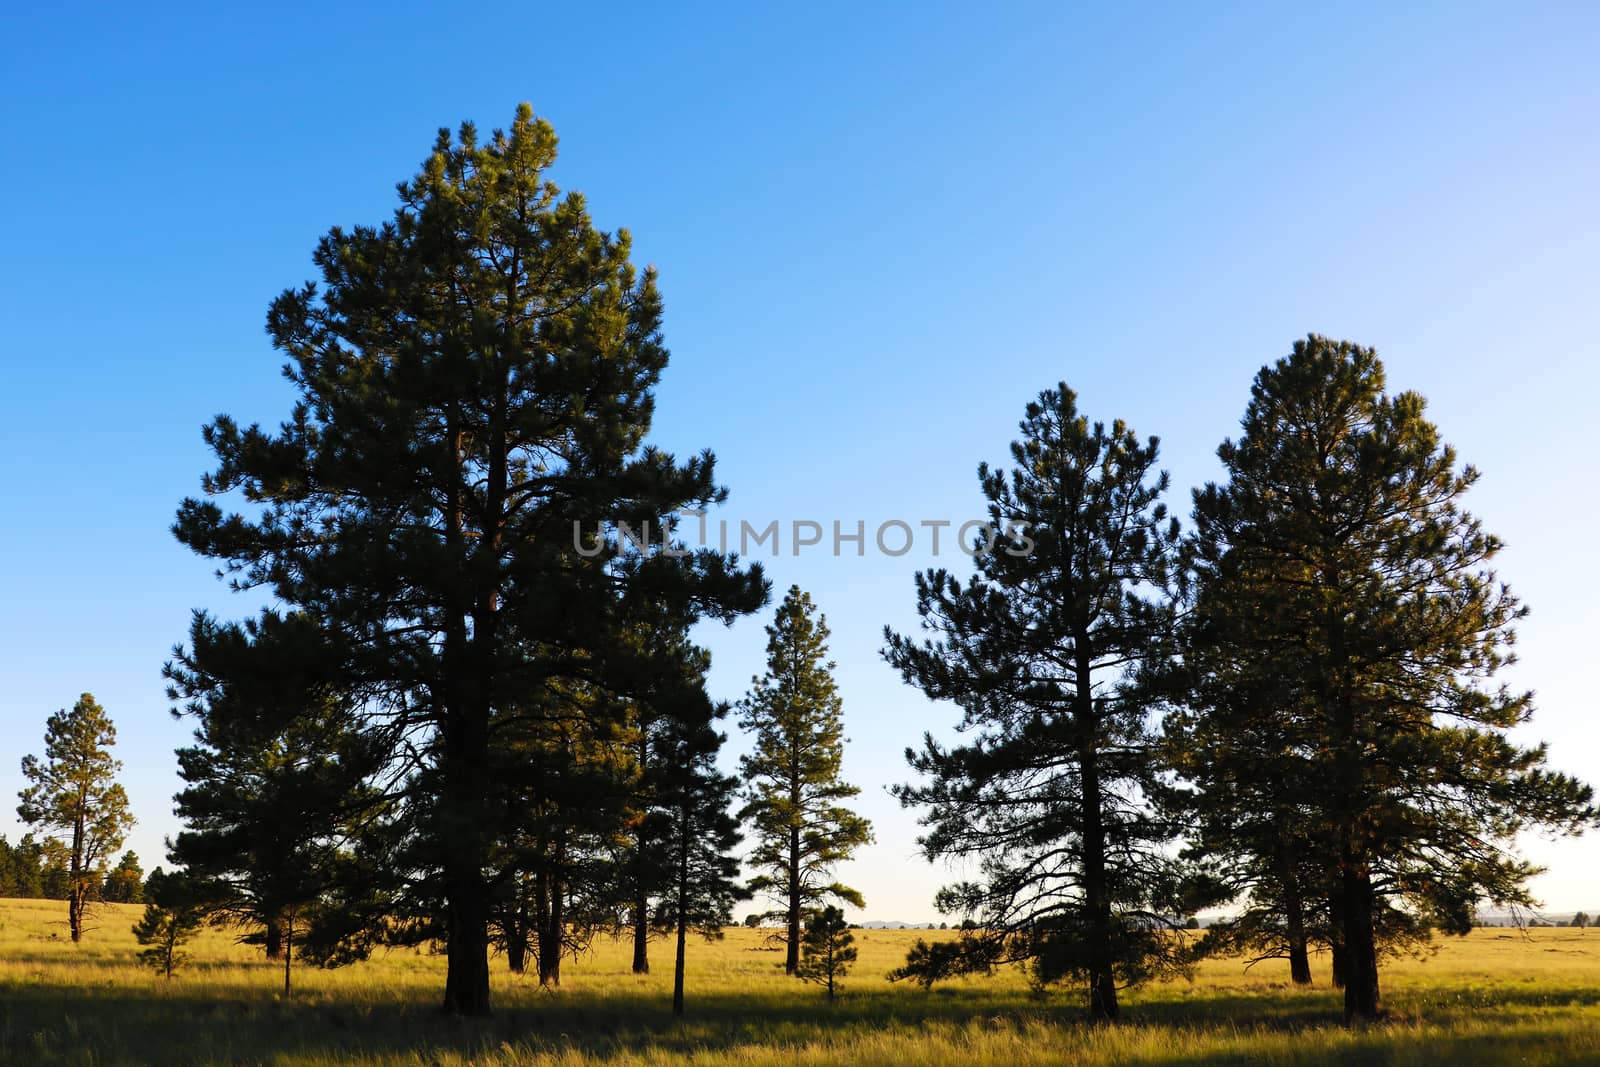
x,y
1496,997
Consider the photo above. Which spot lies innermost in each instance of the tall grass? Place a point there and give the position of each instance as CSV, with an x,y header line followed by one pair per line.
x,y
1496,997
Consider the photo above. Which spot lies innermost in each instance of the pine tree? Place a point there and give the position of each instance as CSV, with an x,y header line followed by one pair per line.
x,y
695,800
1337,560
669,684
561,776
276,776
170,919
76,799
791,776
1252,836
828,950
1053,796
475,383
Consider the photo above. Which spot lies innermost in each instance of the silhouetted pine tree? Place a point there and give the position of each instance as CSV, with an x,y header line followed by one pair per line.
x,y
1051,795
170,919
695,801
277,777
475,381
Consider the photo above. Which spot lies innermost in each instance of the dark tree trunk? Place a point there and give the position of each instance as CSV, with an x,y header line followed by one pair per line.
x,y
466,984
77,890
465,825
1362,1002
1336,940
551,929
288,951
515,930
1295,927
641,900
791,959
683,914
1097,902
641,936
76,897
273,938
1299,961
1096,886
462,825
677,967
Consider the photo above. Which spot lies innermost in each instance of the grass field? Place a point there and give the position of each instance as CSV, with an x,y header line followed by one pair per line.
x,y
1496,997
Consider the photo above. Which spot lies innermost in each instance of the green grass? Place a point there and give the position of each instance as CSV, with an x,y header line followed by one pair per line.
x,y
1495,997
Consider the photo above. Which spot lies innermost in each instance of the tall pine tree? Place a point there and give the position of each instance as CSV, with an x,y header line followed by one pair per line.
x,y
792,782
475,380
1052,794
76,800
1338,560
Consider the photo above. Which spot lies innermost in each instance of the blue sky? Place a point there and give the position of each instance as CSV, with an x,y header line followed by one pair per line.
x,y
879,236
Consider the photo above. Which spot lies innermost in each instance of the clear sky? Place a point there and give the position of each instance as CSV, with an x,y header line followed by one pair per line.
x,y
879,236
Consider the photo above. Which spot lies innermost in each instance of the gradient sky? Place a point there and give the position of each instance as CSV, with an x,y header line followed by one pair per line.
x,y
879,236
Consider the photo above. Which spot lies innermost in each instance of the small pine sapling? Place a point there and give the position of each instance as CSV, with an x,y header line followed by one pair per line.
x,y
827,951
170,919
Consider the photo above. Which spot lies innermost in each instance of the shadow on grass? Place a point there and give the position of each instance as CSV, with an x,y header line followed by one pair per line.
x,y
42,1023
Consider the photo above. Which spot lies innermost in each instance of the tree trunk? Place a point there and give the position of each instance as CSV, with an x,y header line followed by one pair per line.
x,y
75,906
791,959
683,913
77,891
461,827
1336,950
641,936
1295,927
1097,903
641,900
1096,887
273,938
466,983
549,928
1362,1002
558,929
465,825
288,950
1299,960
515,929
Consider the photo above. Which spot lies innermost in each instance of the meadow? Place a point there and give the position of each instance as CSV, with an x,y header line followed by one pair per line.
x,y
1496,997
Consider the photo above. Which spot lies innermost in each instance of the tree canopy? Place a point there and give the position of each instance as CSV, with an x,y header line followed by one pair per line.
x,y
474,383
1337,562
1052,798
